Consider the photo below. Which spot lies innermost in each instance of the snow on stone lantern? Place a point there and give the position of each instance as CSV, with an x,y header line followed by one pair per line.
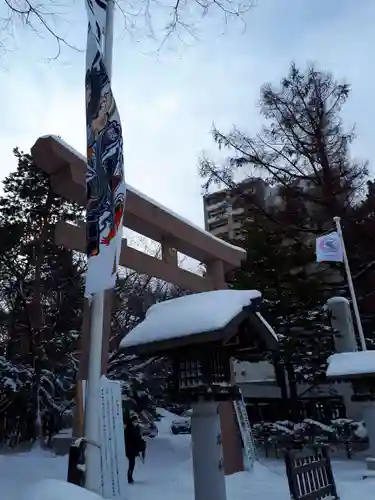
x,y
201,333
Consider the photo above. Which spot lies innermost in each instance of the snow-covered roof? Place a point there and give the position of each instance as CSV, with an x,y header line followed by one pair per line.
x,y
190,315
151,200
351,364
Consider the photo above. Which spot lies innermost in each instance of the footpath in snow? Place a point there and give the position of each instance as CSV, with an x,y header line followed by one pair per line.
x,y
167,474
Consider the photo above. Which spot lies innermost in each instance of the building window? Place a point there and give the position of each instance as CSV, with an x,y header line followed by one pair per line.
x,y
217,223
214,199
217,212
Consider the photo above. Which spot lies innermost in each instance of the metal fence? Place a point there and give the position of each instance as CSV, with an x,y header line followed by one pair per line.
x,y
310,475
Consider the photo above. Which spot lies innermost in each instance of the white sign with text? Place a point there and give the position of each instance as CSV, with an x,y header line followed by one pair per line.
x,y
113,464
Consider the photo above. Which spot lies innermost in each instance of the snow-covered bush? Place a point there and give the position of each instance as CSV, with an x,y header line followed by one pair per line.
x,y
350,430
27,395
284,434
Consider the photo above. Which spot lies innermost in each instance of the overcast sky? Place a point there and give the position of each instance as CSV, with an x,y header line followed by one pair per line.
x,y
168,103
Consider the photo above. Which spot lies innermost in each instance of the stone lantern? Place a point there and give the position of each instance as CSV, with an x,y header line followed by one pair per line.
x,y
200,334
359,369
356,367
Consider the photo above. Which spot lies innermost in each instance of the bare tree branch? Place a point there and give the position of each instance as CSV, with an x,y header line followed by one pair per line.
x,y
160,20
37,17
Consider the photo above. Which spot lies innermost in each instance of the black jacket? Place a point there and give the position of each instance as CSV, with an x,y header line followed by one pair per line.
x,y
133,440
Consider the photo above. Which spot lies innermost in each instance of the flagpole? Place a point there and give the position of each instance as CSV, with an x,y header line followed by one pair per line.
x,y
108,36
91,423
337,221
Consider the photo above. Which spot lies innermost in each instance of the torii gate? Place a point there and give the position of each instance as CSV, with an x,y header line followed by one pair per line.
x,y
66,169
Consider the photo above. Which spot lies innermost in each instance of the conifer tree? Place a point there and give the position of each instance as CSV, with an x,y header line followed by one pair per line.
x,y
302,156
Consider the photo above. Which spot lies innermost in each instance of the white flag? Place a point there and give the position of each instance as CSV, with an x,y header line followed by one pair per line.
x,y
105,163
329,248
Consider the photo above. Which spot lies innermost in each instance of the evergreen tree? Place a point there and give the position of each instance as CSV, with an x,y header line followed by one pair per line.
x,y
302,157
41,299
40,293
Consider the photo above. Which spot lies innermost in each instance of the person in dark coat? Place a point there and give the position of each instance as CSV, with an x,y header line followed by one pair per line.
x,y
134,445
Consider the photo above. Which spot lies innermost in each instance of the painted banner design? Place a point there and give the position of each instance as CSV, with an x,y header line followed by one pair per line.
x,y
105,163
329,248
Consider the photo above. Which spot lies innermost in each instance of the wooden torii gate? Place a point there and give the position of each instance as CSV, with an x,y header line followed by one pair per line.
x,y
66,170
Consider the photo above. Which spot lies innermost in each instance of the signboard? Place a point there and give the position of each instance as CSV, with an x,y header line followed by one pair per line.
x,y
113,460
113,463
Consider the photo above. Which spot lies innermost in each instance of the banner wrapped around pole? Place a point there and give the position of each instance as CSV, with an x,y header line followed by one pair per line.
x,y
105,163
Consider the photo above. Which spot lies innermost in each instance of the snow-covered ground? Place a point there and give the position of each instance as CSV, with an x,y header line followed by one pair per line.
x,y
167,474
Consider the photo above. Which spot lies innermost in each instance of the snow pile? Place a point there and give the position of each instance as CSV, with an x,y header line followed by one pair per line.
x,y
189,315
19,472
165,475
359,429
348,364
52,489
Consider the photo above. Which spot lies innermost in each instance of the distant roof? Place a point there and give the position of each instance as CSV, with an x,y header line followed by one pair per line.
x,y
187,316
351,364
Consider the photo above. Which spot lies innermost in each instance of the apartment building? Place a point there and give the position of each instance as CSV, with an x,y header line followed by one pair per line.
x,y
226,210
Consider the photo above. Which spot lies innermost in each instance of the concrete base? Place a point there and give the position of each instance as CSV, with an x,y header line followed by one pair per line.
x,y
208,465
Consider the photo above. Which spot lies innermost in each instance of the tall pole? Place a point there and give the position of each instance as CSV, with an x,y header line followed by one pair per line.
x,y
91,425
91,422
337,221
108,36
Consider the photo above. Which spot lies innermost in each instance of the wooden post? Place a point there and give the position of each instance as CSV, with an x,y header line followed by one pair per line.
x,y
169,253
83,363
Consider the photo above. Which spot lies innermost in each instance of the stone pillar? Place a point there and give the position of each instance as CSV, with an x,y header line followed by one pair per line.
x,y
231,437
342,323
209,479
